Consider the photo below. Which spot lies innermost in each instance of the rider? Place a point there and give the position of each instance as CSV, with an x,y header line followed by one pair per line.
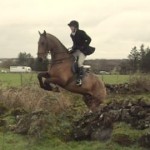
x,y
80,47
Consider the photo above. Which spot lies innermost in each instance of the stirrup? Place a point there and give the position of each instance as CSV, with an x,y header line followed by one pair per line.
x,y
79,82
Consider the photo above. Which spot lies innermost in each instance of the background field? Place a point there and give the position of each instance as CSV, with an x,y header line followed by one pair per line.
x,y
21,79
17,79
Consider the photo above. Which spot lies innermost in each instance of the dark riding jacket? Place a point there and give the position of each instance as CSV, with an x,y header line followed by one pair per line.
x,y
81,41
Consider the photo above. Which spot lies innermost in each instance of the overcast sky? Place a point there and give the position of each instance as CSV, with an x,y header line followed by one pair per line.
x,y
115,26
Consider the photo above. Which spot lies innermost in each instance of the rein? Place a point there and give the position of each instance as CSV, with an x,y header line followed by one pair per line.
x,y
61,60
57,61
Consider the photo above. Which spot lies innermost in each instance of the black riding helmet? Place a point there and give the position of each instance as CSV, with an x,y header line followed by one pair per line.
x,y
74,23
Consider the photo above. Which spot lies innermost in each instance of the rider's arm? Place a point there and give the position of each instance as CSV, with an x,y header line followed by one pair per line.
x,y
73,46
86,38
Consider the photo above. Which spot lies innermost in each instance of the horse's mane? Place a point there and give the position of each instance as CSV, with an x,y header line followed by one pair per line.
x,y
56,40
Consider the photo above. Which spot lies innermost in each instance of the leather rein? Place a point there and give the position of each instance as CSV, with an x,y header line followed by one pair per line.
x,y
57,61
61,60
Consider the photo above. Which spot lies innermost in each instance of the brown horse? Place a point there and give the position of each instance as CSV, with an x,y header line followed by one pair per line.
x,y
60,72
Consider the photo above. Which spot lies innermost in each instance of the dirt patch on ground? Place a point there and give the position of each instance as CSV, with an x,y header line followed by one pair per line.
x,y
99,125
127,88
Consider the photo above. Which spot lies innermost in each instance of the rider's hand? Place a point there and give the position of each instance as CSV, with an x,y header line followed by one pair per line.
x,y
71,51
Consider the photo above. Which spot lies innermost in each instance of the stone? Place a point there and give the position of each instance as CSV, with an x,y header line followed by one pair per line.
x,y
95,125
135,110
125,115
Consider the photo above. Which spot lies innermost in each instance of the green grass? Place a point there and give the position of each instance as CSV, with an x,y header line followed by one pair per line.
x,y
123,128
17,79
11,141
115,79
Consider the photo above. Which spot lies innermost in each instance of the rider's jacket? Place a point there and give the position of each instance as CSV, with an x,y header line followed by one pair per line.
x,y
81,41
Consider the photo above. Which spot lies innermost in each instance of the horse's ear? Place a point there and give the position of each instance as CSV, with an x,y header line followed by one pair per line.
x,y
39,33
44,33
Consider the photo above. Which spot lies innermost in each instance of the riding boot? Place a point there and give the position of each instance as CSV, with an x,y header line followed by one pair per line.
x,y
79,76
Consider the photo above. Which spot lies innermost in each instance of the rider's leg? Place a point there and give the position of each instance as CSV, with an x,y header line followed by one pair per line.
x,y
81,58
76,54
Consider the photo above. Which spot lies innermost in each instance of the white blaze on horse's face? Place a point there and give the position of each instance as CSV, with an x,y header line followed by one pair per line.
x,y
42,47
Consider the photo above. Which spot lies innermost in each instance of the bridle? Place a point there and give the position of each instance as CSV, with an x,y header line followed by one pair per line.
x,y
56,61
53,53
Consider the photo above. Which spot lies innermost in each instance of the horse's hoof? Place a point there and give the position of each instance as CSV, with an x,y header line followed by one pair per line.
x,y
47,88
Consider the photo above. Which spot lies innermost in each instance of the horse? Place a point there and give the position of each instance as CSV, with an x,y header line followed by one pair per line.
x,y
60,72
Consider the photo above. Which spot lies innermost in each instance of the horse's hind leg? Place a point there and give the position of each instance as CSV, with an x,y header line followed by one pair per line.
x,y
91,102
96,96
87,100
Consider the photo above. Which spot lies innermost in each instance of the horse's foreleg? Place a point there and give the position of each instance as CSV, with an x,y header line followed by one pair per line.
x,y
47,85
50,84
40,76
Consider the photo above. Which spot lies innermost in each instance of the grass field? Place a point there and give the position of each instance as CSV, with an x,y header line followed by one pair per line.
x,y
17,79
115,79
17,142
21,79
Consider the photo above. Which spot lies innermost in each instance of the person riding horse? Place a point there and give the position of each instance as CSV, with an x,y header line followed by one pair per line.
x,y
80,48
60,73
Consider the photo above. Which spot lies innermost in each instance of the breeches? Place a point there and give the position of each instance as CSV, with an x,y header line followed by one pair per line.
x,y
80,56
